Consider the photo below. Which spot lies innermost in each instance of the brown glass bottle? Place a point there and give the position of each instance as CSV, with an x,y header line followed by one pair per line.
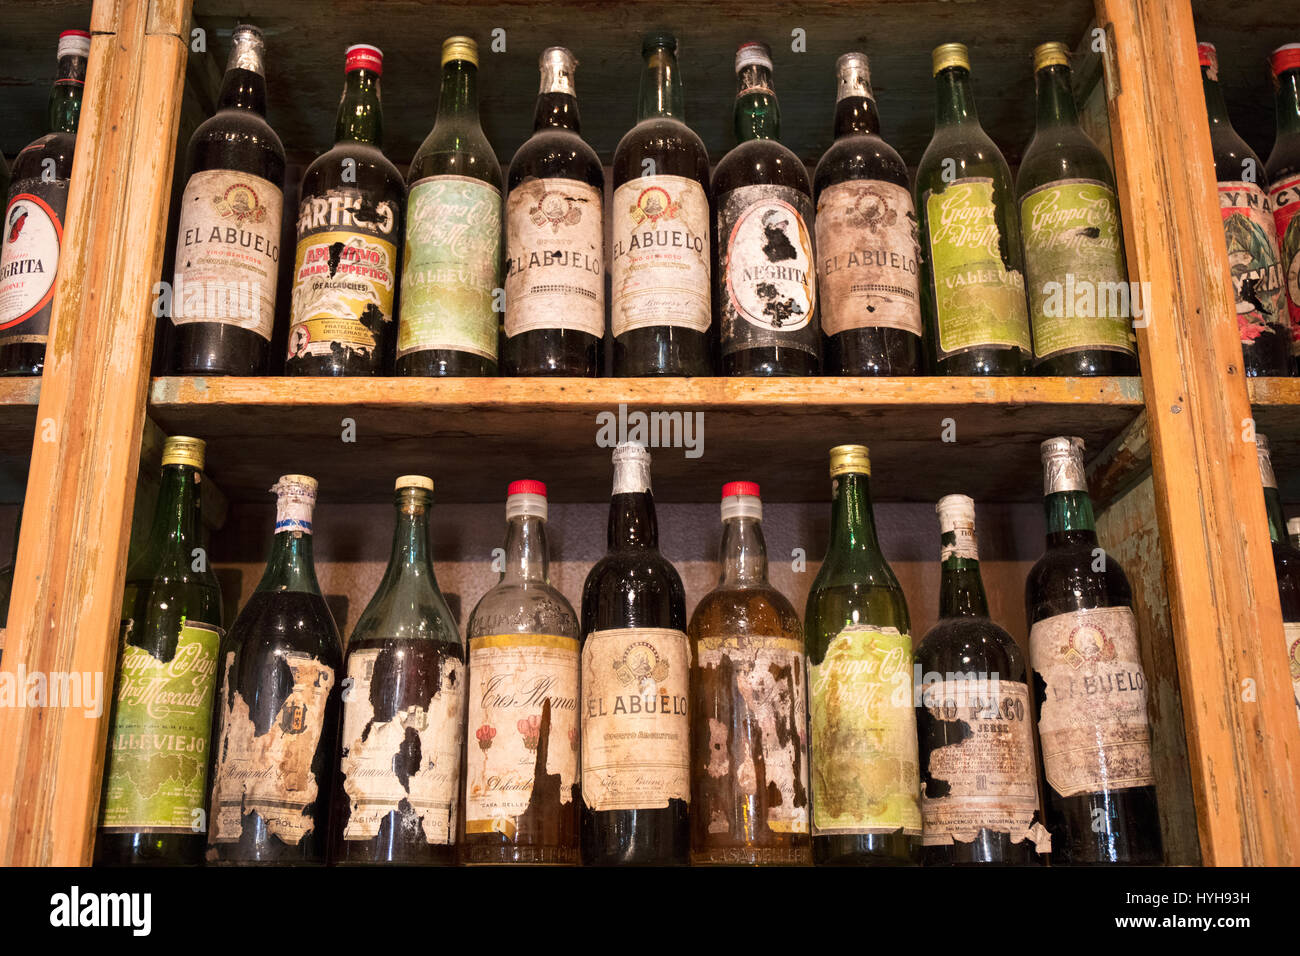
x,y
555,238
228,242
749,751
660,309
764,281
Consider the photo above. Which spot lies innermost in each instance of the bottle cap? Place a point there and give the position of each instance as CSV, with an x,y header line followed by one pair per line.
x,y
295,496
957,517
1266,475
1208,56
459,48
853,76
183,450
526,497
753,54
949,54
659,40
558,67
740,500
733,488
526,486
74,43
1051,54
414,481
1293,526
1286,57
631,469
246,48
363,56
847,459
1063,465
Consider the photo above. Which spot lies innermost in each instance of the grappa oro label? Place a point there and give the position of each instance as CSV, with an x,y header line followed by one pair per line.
x,y
29,259
1285,197
1253,260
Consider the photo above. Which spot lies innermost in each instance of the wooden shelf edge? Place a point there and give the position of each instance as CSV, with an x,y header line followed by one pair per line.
x,y
1274,391
18,391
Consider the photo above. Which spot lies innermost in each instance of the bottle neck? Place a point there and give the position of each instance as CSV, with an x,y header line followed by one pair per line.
x,y
743,553
65,94
1055,97
527,555
954,103
243,90
360,116
177,526
661,87
1287,103
757,115
961,589
1216,107
1276,518
856,114
1069,518
290,567
632,522
853,525
557,110
410,556
458,98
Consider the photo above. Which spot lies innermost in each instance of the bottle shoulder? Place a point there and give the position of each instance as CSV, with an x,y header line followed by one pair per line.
x,y
1284,159
1075,577
554,153
960,153
30,161
660,146
275,621
464,153
759,162
964,644
408,611
1234,160
523,608
367,168
1061,153
859,156
236,128
760,611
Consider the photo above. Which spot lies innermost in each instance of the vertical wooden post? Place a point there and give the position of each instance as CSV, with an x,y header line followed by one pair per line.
x,y
1243,742
71,561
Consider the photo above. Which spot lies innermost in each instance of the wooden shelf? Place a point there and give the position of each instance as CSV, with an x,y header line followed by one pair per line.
x,y
18,398
474,435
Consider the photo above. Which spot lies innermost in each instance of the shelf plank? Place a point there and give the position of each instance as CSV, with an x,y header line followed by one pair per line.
x,y
474,435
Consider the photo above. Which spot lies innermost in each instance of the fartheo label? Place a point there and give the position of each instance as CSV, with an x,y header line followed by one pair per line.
x,y
1253,260
29,258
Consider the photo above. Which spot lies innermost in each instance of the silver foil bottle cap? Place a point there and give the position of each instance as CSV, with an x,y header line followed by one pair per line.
x,y
1063,465
631,469
559,68
1262,451
853,76
957,517
246,50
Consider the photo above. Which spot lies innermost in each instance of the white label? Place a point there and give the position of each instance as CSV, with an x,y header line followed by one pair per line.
x,y
29,261
769,266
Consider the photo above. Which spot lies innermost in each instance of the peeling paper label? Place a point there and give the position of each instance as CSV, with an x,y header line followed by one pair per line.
x,y
1293,659
1254,261
1285,197
270,774
1093,722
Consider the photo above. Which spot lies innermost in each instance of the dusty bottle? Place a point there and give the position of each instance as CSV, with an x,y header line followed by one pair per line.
x,y
1286,563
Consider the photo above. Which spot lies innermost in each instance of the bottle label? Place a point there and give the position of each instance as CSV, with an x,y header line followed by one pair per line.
x,y
29,259
402,743
269,773
1093,721
1253,259
765,279
451,267
753,732
660,256
228,251
867,257
1074,260
523,718
1293,659
158,743
555,271
863,747
1285,197
978,301
344,275
986,780
636,736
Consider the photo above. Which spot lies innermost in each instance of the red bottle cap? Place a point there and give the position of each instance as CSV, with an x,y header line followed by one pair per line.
x,y
363,56
734,488
75,33
526,487
1285,57
1208,56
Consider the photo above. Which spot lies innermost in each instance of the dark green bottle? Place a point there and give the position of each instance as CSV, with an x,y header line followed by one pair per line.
x,y
862,738
153,806
1080,303
972,263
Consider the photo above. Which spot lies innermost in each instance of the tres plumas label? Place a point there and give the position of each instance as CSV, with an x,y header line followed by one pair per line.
x,y
1285,197
1253,260
29,258
635,723
1093,720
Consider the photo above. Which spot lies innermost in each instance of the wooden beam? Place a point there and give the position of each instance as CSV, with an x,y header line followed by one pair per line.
x,y
71,559
1243,741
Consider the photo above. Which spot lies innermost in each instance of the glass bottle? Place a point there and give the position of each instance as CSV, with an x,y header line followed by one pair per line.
x,y
749,746
521,793
1283,171
451,269
868,258
1286,562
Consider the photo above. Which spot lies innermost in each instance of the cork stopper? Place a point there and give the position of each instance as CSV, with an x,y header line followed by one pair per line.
x,y
422,482
459,48
949,54
850,459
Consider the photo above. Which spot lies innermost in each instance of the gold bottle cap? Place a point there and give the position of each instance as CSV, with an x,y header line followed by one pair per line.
x,y
847,459
459,48
183,450
1051,54
950,54
414,481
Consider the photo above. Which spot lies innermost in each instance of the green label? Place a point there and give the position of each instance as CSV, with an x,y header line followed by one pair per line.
x,y
1079,296
865,775
158,744
451,268
979,302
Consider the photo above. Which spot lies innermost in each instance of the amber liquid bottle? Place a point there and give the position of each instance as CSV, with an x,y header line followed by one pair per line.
x,y
749,748
635,687
555,238
1286,562
228,242
764,279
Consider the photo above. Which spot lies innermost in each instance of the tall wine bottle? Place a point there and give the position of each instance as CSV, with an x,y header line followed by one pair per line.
x,y
972,263
660,309
277,713
749,744
228,242
349,237
862,738
1080,307
555,238
636,786
37,198
1283,171
451,270
868,258
1251,235
764,280
153,809
521,786
1286,562
396,799
979,783
1089,686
